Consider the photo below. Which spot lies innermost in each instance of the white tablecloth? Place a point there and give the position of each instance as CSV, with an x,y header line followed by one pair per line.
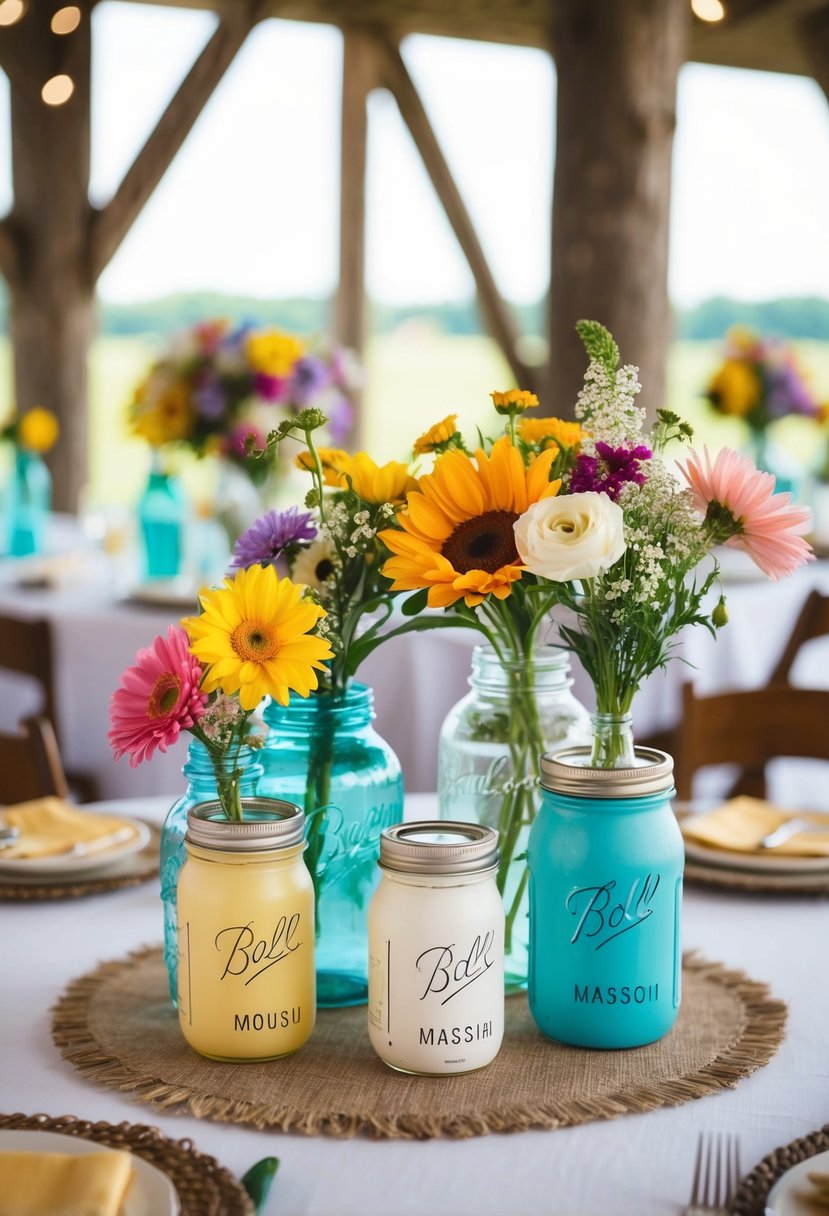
x,y
416,678
636,1165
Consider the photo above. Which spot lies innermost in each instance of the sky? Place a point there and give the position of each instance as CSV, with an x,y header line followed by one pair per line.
x,y
249,205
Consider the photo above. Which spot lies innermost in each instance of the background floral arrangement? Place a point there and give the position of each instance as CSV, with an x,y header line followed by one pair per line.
x,y
35,430
760,382
215,386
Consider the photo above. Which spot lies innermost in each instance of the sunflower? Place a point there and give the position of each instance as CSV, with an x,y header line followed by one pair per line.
x,y
515,401
254,637
333,460
457,536
437,436
378,483
550,430
169,417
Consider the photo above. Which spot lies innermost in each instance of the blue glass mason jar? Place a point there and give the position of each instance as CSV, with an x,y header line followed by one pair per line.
x,y
162,513
201,787
323,754
606,861
29,501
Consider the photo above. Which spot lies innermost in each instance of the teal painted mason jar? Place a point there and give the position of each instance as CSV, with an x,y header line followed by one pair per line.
x,y
606,862
162,514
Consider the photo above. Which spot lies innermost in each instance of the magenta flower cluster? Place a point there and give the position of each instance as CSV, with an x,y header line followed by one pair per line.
x,y
609,470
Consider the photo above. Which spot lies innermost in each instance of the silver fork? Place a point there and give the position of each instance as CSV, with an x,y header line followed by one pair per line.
x,y
716,1176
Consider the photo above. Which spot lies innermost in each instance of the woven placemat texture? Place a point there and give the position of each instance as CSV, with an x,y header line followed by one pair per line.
x,y
137,868
204,1187
754,1189
756,883
117,1025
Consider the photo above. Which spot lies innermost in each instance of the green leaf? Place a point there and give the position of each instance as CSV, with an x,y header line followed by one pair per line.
x,y
599,343
257,1181
415,604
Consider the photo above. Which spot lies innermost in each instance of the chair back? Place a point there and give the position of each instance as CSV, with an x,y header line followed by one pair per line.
x,y
26,649
813,622
749,728
30,764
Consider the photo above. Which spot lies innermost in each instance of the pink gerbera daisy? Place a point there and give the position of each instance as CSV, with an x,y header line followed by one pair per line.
x,y
742,510
157,698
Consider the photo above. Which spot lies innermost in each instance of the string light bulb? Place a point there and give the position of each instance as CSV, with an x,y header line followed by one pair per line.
x,y
708,10
11,11
66,19
57,90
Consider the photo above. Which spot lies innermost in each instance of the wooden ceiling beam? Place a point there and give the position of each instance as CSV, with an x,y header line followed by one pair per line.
x,y
110,224
495,312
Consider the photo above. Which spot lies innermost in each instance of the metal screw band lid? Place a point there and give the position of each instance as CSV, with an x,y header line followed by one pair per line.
x,y
439,846
568,772
269,823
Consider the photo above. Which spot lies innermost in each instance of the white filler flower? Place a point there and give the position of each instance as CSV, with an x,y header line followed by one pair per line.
x,y
575,536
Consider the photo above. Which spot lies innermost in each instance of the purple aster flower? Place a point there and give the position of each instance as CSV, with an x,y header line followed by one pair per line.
x,y
270,535
211,402
271,388
609,470
787,393
310,376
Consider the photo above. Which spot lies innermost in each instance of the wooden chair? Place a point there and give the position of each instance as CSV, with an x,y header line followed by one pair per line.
x,y
813,622
30,765
748,729
26,649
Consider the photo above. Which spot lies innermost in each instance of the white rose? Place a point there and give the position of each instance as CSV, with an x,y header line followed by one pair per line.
x,y
572,537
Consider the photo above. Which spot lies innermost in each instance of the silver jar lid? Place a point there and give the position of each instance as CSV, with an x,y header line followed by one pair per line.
x,y
568,772
269,823
439,846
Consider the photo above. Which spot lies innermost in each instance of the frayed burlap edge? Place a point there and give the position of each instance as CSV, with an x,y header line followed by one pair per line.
x,y
761,1033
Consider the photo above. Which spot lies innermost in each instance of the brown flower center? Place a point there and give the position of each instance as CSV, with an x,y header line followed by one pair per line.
x,y
486,542
323,569
164,696
255,641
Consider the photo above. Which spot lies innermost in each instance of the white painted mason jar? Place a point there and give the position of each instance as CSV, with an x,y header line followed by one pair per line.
x,y
436,949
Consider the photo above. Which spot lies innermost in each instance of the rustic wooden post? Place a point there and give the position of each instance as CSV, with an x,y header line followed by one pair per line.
x,y
617,63
50,284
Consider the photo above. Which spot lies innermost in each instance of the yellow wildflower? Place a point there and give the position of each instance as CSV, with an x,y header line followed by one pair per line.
x,y
379,483
334,463
38,430
736,388
168,418
515,401
436,436
548,431
272,352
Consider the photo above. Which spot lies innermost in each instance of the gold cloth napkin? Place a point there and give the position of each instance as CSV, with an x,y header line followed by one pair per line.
x,y
740,824
49,827
63,1184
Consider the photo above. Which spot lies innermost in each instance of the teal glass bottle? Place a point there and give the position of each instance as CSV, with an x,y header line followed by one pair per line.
x,y
201,787
606,862
29,502
323,754
162,514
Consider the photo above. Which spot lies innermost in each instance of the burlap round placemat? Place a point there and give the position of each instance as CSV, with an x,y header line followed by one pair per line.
x,y
750,882
754,1189
204,1187
117,1025
137,868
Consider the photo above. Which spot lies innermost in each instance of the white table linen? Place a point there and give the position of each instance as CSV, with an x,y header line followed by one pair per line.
x,y
635,1165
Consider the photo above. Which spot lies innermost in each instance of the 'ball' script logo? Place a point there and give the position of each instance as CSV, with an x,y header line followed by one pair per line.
x,y
449,973
603,916
249,955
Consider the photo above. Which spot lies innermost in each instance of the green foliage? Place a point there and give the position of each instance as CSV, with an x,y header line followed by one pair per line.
x,y
599,343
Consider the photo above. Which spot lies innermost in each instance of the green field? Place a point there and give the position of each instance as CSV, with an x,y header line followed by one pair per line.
x,y
413,377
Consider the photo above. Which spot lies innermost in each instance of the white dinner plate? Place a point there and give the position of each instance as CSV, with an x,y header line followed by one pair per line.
x,y
166,593
788,1196
754,863
77,865
151,1192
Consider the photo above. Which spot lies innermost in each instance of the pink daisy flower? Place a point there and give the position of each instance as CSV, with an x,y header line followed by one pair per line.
x,y
157,698
742,510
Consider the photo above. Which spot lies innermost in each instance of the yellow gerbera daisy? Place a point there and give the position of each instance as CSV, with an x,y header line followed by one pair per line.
x,y
556,430
253,635
457,536
168,418
516,400
38,429
378,483
437,435
334,462
272,352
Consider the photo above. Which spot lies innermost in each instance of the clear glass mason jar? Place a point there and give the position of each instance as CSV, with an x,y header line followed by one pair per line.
x,y
606,861
246,933
323,753
201,787
436,949
488,765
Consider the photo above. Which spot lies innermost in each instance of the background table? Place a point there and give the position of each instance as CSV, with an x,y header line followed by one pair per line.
x,y
636,1165
416,678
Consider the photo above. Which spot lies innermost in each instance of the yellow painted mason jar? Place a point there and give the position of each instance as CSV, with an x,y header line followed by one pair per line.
x,y
246,987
